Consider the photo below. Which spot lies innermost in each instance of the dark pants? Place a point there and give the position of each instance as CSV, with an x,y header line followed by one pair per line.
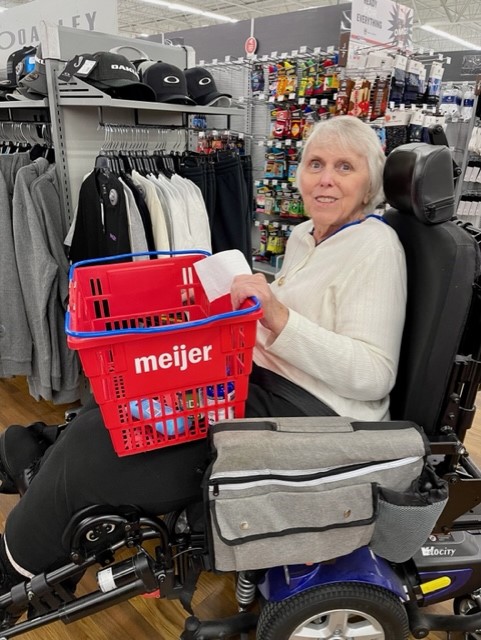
x,y
82,469
231,226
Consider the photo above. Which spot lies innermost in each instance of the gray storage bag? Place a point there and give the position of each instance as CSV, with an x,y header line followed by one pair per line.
x,y
302,490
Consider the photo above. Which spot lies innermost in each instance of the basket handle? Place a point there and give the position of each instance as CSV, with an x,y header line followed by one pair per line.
x,y
253,306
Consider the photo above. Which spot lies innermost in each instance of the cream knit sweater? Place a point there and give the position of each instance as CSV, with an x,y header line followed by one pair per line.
x,y
346,300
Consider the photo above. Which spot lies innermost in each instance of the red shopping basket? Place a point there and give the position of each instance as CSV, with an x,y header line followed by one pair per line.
x,y
162,360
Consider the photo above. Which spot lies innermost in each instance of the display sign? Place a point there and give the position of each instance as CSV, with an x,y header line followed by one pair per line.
x,y
20,26
250,46
380,24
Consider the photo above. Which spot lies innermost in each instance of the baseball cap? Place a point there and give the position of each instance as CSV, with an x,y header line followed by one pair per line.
x,y
17,67
33,86
202,89
116,75
167,81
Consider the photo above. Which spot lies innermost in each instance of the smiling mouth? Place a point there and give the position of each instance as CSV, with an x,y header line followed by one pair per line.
x,y
326,199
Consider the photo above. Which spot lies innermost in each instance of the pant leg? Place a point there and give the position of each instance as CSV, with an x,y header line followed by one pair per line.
x,y
229,227
82,469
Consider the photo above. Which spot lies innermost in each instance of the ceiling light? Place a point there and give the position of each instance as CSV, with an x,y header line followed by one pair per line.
x,y
183,8
143,35
448,36
3,9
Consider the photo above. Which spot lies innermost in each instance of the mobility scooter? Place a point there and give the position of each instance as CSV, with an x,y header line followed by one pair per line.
x,y
359,594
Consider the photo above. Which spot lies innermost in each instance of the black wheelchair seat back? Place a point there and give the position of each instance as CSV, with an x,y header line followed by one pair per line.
x,y
443,265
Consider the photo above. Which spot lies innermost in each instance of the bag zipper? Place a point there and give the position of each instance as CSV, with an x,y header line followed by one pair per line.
x,y
325,476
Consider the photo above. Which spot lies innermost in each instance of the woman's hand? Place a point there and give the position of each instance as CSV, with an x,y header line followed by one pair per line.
x,y
275,314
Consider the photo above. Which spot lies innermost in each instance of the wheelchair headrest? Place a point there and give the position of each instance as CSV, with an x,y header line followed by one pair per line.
x,y
419,179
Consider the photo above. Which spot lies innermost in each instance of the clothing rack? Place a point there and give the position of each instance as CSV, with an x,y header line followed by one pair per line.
x,y
26,133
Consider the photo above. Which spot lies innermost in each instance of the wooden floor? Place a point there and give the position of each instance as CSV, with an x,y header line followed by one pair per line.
x,y
140,618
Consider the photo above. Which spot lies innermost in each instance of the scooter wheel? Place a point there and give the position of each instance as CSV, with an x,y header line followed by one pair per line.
x,y
344,610
466,606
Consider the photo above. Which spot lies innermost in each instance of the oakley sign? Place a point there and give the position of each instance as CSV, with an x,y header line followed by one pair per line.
x,y
21,25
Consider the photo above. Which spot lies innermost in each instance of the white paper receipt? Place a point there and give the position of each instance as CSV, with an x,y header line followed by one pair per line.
x,y
217,272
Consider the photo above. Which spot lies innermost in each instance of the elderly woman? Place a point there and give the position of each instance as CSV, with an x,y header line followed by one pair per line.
x,y
328,344
334,316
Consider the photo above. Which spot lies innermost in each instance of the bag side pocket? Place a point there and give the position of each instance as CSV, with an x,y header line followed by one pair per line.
x,y
406,519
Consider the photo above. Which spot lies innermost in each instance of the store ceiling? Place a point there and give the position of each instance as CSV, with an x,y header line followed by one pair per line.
x,y
461,18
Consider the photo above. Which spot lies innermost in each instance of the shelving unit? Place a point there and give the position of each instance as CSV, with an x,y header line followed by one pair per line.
x,y
75,110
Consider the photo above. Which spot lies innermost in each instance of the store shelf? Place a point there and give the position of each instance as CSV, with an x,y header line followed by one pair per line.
x,y
80,94
264,267
24,104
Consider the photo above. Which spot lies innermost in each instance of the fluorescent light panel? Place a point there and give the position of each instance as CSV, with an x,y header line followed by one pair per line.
x,y
448,36
183,8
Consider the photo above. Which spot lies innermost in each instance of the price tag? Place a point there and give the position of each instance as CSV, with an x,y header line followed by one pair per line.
x,y
330,49
401,107
413,107
294,53
288,142
292,96
261,143
303,49
299,144
274,54
262,96
317,49
258,183
448,60
280,98
227,59
425,106
431,52
241,59
313,101
274,183
272,99
284,55
324,102
266,182
279,144
391,105
284,185
214,61
201,63
265,58
301,101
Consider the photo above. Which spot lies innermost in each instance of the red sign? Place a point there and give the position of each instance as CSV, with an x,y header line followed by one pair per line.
x,y
250,45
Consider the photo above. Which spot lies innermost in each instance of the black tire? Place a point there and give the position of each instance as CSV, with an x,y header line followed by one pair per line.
x,y
466,606
337,606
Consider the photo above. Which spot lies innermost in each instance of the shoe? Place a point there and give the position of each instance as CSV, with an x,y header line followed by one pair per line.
x,y
20,448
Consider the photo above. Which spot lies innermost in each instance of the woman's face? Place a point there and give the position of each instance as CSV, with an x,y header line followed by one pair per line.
x,y
334,184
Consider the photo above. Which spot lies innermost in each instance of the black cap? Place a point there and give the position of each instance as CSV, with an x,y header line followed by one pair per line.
x,y
201,87
167,81
16,67
34,85
116,75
